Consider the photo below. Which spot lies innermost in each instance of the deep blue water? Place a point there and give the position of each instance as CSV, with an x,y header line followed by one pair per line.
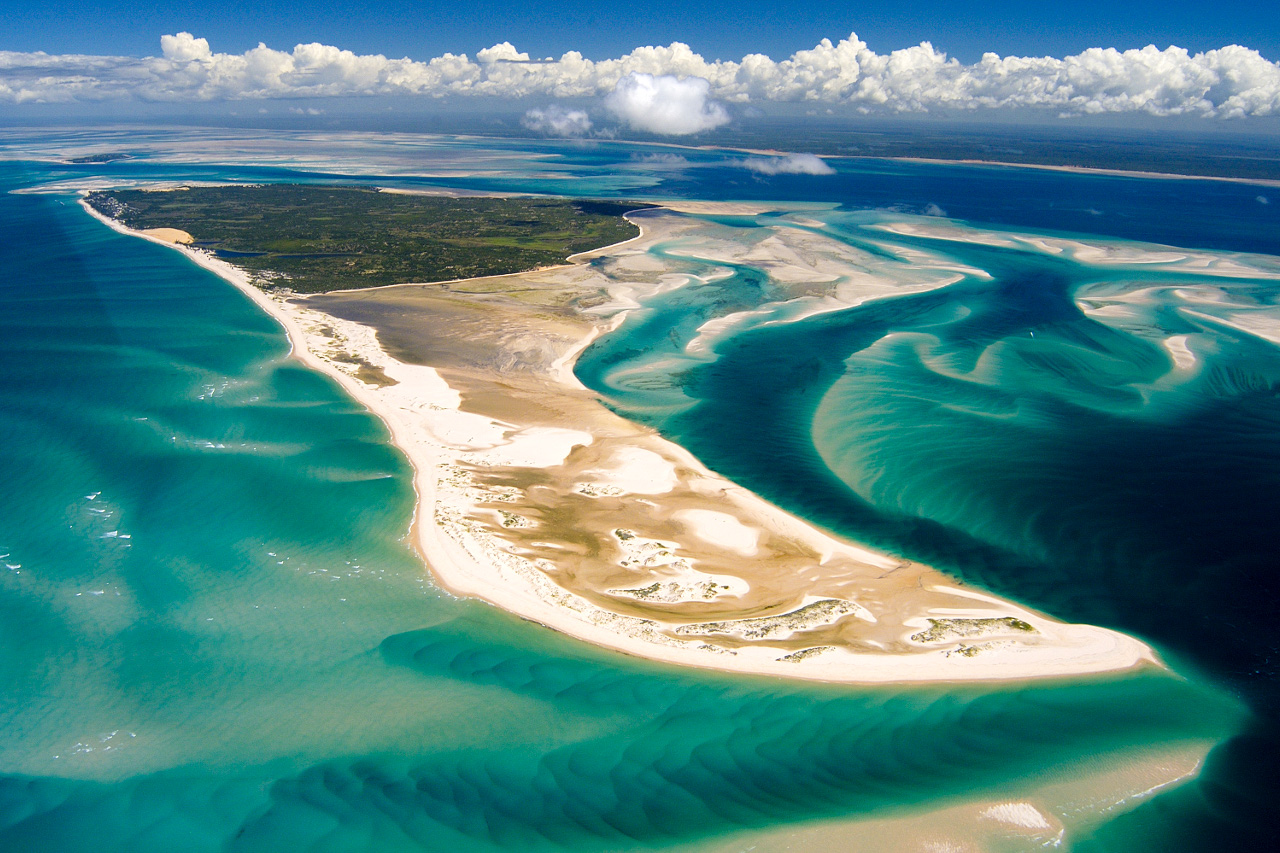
x,y
215,637
994,429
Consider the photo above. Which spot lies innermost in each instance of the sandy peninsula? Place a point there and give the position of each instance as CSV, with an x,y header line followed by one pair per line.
x,y
533,496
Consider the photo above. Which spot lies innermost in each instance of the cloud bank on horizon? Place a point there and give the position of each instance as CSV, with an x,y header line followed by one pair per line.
x,y
672,90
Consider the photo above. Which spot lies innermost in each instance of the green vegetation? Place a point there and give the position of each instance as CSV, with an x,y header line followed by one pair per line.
x,y
644,592
823,612
319,238
951,629
796,657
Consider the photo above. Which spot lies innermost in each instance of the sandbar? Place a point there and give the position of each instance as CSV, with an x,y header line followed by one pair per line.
x,y
1089,170
535,497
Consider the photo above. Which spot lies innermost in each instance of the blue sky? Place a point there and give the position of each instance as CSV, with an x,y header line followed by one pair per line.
x,y
630,67
719,29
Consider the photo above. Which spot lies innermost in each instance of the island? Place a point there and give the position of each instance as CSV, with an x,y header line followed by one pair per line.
x,y
458,321
314,239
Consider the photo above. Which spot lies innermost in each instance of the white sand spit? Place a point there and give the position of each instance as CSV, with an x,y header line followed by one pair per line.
x,y
468,523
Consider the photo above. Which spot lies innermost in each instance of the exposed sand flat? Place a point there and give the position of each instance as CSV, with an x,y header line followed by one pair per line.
x,y
815,273
633,471
1103,253
721,529
944,230
1183,357
1017,814
169,235
1130,308
1048,813
1254,323
535,497
1090,170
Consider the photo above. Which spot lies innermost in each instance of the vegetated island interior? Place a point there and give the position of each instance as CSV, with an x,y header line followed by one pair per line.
x,y
314,239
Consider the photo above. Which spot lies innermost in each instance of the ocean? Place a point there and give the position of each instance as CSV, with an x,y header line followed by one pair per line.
x,y
216,637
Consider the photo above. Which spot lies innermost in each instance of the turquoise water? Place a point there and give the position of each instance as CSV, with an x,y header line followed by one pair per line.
x,y
214,636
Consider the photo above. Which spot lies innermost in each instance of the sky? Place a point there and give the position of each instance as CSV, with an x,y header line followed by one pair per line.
x,y
671,67
719,29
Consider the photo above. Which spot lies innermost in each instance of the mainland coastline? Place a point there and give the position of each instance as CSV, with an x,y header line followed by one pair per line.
x,y
533,496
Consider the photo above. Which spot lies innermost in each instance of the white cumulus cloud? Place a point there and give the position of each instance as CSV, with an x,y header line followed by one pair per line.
x,y
556,120
790,164
662,161
672,89
185,47
665,104
505,52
